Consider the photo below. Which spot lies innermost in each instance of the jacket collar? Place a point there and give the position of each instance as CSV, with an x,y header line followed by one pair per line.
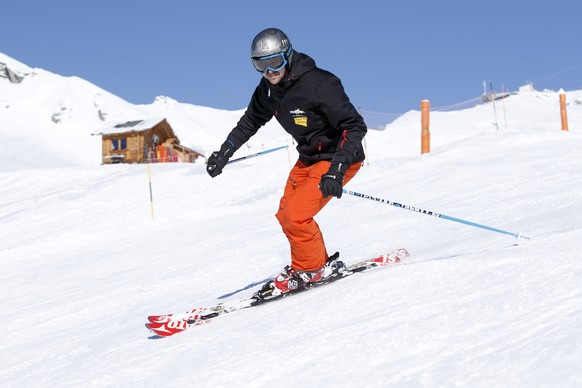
x,y
300,64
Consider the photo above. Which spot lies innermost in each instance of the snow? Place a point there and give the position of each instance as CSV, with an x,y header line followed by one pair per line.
x,y
84,263
136,125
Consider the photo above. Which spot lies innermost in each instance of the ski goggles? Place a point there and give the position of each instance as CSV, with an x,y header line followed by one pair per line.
x,y
274,62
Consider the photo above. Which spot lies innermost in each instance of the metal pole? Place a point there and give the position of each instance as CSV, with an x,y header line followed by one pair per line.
x,y
493,102
151,195
431,213
258,154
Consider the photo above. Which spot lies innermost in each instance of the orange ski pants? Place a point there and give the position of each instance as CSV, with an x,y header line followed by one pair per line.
x,y
301,201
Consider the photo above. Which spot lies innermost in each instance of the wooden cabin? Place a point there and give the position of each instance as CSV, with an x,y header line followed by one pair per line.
x,y
143,141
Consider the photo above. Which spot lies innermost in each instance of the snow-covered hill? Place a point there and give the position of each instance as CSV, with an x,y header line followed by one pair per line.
x,y
46,119
83,263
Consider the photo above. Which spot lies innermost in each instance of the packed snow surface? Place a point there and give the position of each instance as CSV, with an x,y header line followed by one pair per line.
x,y
85,261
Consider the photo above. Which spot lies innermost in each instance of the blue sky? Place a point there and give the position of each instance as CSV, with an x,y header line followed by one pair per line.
x,y
389,54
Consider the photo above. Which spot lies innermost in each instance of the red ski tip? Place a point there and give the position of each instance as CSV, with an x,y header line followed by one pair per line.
x,y
392,257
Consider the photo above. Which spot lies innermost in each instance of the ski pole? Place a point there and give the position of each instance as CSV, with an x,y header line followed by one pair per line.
x,y
258,154
431,213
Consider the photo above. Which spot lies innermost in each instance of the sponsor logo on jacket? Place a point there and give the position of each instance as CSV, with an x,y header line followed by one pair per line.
x,y
299,117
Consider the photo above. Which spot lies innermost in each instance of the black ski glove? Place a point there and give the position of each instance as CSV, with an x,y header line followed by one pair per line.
x,y
332,181
219,159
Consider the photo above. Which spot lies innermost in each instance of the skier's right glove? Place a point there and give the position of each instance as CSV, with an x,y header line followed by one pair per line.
x,y
219,159
331,182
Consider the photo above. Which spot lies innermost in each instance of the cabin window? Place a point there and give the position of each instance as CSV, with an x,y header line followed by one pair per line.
x,y
118,144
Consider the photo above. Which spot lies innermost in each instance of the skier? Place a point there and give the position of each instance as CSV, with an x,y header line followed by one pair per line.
x,y
310,104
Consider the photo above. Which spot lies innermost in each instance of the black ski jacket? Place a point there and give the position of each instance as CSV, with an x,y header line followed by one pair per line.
x,y
312,106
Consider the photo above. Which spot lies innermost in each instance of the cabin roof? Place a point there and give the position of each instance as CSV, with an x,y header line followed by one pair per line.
x,y
131,126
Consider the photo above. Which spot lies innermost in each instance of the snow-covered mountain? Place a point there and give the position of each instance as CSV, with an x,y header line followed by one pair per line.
x,y
84,259
47,119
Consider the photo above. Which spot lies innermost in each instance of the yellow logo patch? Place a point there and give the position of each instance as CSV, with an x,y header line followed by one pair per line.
x,y
301,120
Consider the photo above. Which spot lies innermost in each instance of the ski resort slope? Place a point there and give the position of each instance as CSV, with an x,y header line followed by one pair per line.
x,y
84,263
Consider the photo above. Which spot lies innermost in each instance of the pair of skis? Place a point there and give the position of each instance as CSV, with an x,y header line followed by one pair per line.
x,y
170,324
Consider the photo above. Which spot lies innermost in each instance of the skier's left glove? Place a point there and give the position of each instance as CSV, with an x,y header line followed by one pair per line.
x,y
219,159
332,181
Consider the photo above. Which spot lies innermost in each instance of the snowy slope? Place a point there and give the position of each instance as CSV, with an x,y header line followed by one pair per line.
x,y
83,263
